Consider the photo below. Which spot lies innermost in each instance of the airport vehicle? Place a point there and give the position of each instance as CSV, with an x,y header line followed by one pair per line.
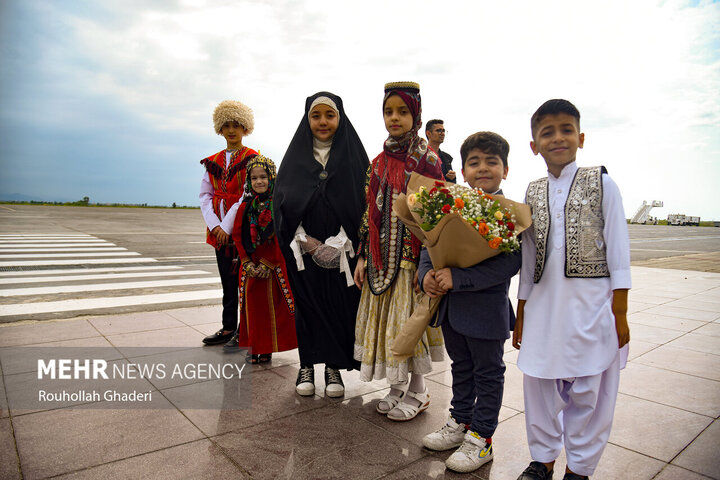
x,y
681,219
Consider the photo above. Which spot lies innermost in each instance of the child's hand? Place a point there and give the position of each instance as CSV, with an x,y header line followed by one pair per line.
x,y
416,287
359,275
310,244
250,269
451,175
444,278
517,331
619,308
263,271
222,237
431,286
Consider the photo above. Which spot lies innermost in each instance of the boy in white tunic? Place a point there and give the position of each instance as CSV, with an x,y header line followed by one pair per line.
x,y
571,325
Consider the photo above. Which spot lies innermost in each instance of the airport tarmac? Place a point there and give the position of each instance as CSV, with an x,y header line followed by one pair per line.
x,y
666,421
178,235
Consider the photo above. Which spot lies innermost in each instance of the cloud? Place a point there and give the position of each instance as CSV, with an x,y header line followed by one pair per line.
x,y
129,86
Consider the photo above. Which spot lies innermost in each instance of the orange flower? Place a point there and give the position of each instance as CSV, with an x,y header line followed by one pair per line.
x,y
495,242
459,203
483,228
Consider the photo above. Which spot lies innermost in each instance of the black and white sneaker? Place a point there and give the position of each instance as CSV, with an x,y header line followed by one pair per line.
x,y
305,383
334,386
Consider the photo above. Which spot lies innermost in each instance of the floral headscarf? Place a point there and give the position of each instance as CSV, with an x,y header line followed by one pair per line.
x,y
258,214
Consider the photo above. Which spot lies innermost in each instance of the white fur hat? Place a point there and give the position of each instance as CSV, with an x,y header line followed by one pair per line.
x,y
230,110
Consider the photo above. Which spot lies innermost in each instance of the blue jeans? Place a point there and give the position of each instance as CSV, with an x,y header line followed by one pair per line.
x,y
478,373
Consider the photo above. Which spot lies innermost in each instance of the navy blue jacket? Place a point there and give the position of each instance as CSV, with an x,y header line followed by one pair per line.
x,y
478,305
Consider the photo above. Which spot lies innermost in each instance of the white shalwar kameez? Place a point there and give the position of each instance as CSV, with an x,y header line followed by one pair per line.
x,y
569,351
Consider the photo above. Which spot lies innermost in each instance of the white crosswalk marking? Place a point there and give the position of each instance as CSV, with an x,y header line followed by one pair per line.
x,y
44,243
90,261
66,255
98,276
110,302
53,273
61,249
18,292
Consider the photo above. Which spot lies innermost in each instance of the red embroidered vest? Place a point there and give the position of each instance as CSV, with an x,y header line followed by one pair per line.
x,y
228,183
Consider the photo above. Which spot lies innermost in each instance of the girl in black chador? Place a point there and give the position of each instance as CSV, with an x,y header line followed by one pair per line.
x,y
319,200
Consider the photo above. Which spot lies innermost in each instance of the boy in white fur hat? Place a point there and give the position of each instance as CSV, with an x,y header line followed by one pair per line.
x,y
220,193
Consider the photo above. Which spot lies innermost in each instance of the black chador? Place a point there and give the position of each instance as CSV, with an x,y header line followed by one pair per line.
x,y
321,199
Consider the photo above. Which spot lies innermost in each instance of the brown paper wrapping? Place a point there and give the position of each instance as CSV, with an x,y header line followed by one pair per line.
x,y
452,243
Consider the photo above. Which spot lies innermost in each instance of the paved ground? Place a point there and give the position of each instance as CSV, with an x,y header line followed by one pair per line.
x,y
666,422
62,262
177,235
680,248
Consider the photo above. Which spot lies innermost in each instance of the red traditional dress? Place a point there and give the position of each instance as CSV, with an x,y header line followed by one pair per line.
x,y
267,307
227,182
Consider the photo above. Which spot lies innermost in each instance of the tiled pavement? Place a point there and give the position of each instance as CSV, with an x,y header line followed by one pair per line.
x,y
666,422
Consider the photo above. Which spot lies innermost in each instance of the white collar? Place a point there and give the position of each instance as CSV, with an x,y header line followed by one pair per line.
x,y
567,171
321,151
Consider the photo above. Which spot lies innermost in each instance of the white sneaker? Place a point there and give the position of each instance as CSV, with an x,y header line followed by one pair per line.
x,y
305,383
451,435
472,454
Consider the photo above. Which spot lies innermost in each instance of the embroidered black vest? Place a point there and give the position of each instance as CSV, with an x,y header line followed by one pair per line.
x,y
585,255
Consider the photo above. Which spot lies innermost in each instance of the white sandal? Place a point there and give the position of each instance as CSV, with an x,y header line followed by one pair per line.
x,y
405,411
391,400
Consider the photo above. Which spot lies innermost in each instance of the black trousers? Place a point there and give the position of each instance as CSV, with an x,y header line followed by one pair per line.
x,y
230,284
478,378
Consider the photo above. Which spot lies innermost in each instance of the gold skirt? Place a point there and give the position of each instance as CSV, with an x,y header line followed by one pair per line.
x,y
379,319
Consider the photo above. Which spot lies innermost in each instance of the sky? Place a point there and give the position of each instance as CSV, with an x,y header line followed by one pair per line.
x,y
113,100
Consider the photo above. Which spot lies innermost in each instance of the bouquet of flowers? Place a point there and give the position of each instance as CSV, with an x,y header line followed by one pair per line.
x,y
460,227
484,212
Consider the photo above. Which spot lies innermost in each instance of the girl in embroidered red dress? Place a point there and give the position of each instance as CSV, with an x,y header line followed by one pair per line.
x,y
267,309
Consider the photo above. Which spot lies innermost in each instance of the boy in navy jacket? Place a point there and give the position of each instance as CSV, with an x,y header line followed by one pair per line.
x,y
476,317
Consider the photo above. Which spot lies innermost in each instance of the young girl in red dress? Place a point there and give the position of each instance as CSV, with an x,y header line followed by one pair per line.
x,y
267,308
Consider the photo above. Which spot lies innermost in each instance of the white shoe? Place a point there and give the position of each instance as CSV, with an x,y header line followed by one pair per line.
x,y
334,386
472,454
405,411
305,383
451,435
